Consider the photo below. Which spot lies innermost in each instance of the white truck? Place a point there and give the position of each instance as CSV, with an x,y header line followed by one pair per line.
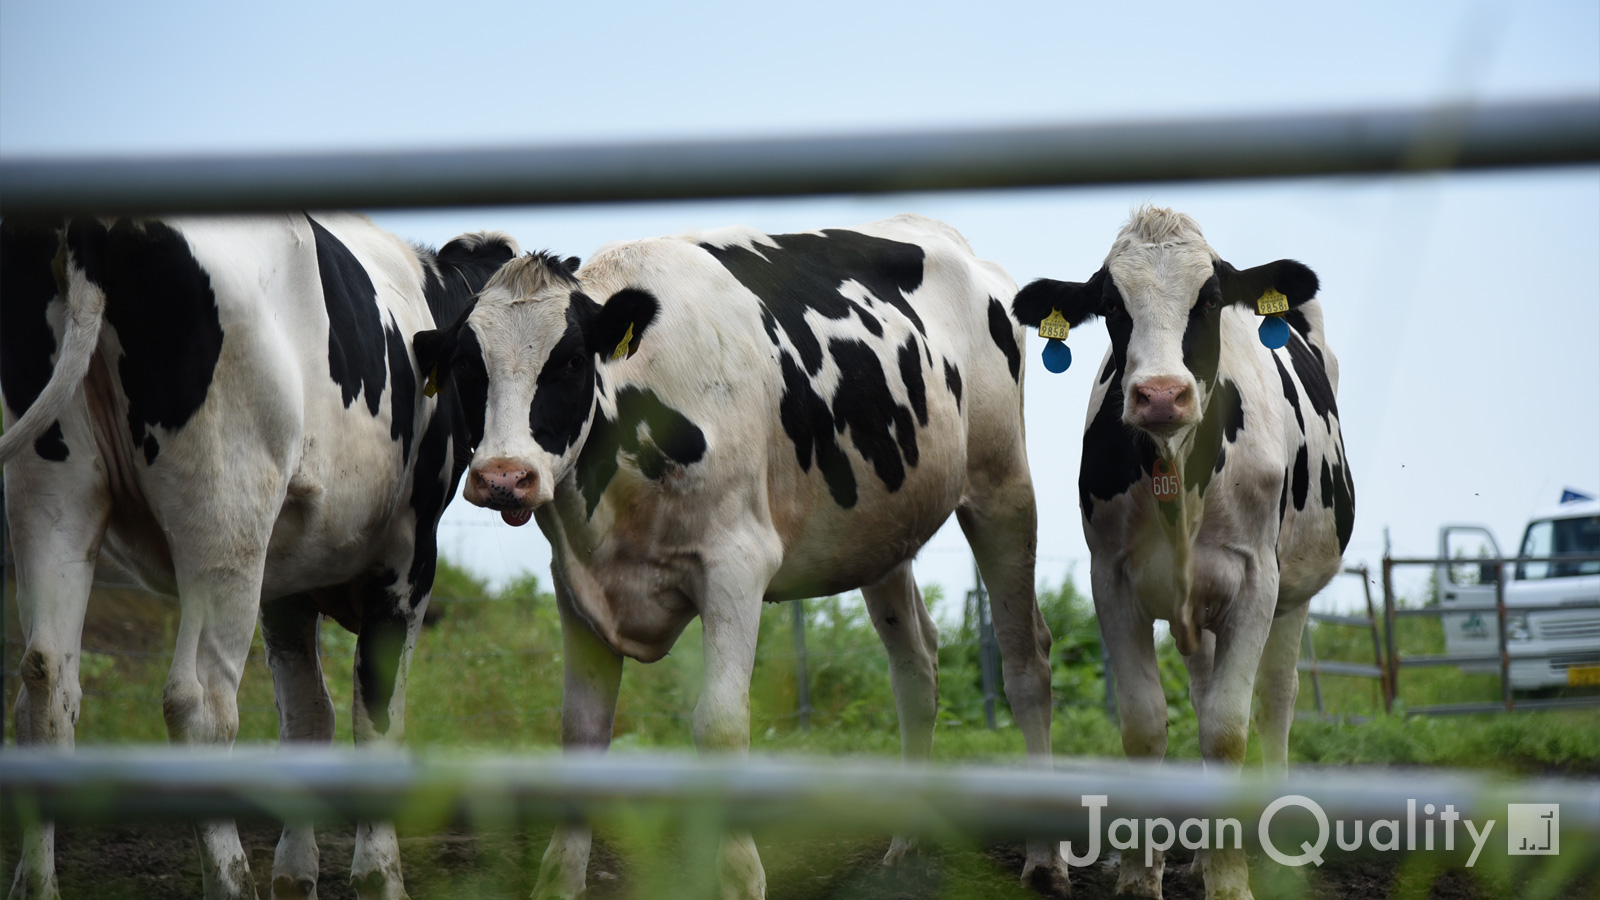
x,y
1549,648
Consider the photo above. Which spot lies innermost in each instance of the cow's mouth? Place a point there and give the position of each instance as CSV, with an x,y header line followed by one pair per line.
x,y
516,518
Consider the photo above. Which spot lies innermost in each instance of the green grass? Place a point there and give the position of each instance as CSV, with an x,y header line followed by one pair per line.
x,y
487,675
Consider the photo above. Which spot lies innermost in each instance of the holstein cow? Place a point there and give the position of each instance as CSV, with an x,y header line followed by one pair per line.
x,y
1256,499
233,416
703,423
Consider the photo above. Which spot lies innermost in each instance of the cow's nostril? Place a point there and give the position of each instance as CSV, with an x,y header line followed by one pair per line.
x,y
526,481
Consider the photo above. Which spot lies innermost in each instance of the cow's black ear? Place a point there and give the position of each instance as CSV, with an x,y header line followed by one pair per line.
x,y
434,348
622,322
1292,279
1077,301
572,263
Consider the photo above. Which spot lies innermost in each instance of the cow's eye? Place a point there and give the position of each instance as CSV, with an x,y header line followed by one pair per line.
x,y
573,362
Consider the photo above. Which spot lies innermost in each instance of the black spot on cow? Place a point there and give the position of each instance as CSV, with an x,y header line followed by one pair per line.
x,y
1314,378
52,445
669,439
403,390
1202,339
868,320
379,646
355,330
161,304
28,285
1297,320
1222,421
952,381
1302,477
564,390
1327,484
1283,498
803,274
911,377
1115,457
864,405
1289,392
1108,369
808,422
1001,330
1344,498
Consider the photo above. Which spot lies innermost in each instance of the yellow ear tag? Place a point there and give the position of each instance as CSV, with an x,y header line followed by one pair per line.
x,y
622,347
1272,303
1054,327
430,387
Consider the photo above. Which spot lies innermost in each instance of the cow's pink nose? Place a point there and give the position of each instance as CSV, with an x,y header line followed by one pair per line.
x,y
1163,400
501,483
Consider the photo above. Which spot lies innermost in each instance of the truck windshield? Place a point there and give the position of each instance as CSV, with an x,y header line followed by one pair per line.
x,y
1561,537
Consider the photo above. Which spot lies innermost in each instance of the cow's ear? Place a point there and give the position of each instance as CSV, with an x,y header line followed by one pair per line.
x,y
1293,280
434,349
621,323
572,263
1077,301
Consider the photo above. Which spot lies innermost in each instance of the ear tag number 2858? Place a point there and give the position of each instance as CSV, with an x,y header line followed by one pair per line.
x,y
1164,481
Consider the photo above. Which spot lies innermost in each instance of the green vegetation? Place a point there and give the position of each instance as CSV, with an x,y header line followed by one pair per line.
x,y
487,675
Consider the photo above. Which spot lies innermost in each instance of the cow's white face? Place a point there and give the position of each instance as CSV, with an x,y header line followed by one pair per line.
x,y
1162,291
1164,313
523,363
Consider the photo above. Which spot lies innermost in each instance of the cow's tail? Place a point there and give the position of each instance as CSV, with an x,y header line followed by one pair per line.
x,y
86,308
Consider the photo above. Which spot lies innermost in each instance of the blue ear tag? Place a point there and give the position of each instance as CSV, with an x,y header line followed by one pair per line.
x,y
1274,332
1057,356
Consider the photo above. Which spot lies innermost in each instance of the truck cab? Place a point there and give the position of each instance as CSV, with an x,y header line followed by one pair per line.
x,y
1550,648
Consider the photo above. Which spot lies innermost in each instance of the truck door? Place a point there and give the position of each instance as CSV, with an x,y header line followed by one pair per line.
x,y
1466,588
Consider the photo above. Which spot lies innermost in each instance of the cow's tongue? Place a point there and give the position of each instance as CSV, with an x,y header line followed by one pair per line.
x,y
516,517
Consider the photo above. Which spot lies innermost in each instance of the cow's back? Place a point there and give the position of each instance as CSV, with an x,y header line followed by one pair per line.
x,y
849,420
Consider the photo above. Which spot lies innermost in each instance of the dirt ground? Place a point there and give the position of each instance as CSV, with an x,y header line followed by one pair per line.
x,y
160,861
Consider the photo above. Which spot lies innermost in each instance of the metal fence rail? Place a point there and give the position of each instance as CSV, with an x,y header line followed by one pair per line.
x,y
1550,132
310,785
1508,701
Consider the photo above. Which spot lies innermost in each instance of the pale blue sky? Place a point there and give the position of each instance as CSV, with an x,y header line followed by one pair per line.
x,y
1441,291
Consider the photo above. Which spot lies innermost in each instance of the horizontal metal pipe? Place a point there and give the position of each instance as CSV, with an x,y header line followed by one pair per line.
x,y
1332,619
758,793
1496,706
1550,132
1333,667
1492,560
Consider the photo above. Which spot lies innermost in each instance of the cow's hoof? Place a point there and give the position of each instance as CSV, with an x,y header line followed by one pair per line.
x,y
378,885
1047,881
900,848
1139,885
31,884
286,888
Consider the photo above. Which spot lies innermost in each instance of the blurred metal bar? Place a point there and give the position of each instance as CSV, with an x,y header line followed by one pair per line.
x,y
1534,133
1334,667
151,783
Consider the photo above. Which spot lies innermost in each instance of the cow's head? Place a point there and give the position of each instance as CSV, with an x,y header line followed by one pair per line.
x,y
1162,291
523,362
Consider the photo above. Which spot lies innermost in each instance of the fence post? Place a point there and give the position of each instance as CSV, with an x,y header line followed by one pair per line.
x,y
1388,632
802,678
987,651
1310,643
1377,645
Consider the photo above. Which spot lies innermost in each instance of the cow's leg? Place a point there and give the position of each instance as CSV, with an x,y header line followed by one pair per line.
x,y
912,640
1000,522
305,715
57,514
200,702
593,673
730,613
1141,704
1277,685
391,619
1225,718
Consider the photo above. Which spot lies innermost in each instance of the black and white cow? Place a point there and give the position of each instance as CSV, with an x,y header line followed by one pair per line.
x,y
703,423
234,416
1261,499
